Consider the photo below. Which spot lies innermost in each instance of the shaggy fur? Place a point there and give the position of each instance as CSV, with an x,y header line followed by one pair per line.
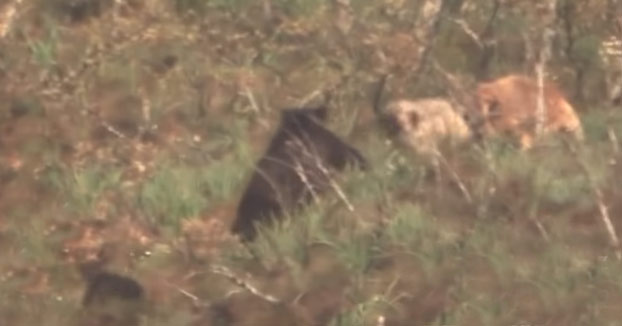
x,y
291,171
509,104
423,124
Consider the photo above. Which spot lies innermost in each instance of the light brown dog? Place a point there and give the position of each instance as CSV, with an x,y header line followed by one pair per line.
x,y
508,105
423,124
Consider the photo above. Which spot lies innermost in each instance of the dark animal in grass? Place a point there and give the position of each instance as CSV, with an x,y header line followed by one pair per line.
x,y
78,11
103,285
110,298
293,169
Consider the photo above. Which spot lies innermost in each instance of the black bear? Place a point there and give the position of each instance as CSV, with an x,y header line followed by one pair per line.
x,y
110,298
293,169
103,286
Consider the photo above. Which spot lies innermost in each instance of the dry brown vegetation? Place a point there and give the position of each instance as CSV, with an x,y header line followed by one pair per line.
x,y
136,123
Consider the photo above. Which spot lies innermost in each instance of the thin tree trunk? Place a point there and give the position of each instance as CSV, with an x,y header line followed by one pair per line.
x,y
426,31
547,32
488,43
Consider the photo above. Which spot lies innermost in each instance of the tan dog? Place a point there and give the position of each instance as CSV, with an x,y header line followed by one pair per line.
x,y
423,124
509,105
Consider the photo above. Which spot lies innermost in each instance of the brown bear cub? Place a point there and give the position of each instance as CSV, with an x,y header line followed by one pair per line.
x,y
293,169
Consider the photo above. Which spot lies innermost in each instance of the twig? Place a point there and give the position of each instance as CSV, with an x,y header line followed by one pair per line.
x,y
615,144
544,56
112,129
468,31
541,229
185,293
251,99
309,97
600,202
458,93
145,106
541,105
604,213
431,27
228,274
88,110
456,177
335,186
303,176
318,163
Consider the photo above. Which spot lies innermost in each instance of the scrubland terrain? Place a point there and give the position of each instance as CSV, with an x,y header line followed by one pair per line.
x,y
135,125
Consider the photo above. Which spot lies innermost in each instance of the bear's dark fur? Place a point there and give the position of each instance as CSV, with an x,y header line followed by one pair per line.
x,y
103,286
290,167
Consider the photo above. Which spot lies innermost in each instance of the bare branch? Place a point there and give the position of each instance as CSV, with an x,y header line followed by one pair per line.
x,y
228,274
469,31
600,201
544,56
303,176
145,105
456,177
427,31
195,299
615,144
318,163
335,186
305,100
457,92
541,229
251,98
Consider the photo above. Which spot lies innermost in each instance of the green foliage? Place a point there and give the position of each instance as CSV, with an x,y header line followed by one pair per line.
x,y
289,238
51,310
360,314
356,251
43,51
31,243
81,188
177,192
173,193
486,258
408,227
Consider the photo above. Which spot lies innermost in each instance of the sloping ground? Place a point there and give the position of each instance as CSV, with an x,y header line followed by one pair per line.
x,y
136,128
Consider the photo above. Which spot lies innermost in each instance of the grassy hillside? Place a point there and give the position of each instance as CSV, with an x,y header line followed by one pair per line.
x,y
137,126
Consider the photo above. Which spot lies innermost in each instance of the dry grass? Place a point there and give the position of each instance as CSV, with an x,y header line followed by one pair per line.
x,y
137,125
